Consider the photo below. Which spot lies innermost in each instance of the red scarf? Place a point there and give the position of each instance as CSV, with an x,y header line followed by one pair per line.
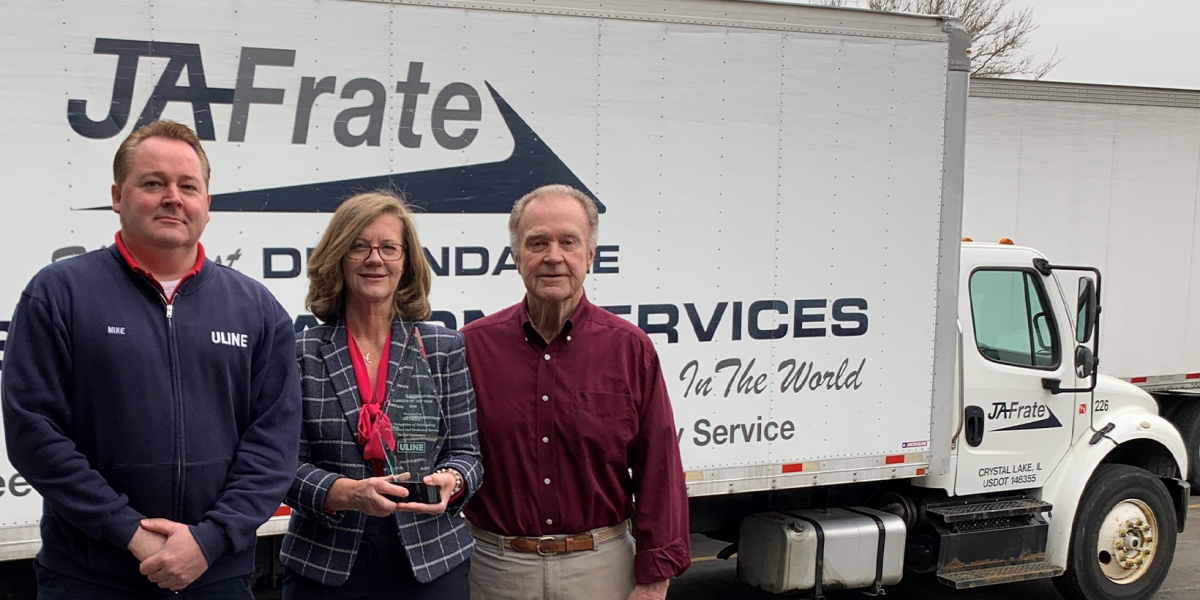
x,y
374,427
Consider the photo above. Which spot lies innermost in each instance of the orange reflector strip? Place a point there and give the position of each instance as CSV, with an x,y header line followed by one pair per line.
x,y
1137,380
283,511
793,468
894,459
967,239
920,472
1192,376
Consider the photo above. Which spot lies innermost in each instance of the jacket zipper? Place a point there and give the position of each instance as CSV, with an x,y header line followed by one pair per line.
x,y
177,401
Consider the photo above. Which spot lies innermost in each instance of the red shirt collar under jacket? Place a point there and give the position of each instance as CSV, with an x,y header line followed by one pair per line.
x,y
129,260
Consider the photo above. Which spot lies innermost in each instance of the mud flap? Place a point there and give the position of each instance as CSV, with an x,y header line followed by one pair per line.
x,y
1181,495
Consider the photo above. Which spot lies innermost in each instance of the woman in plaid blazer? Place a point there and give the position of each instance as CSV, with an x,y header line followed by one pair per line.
x,y
372,364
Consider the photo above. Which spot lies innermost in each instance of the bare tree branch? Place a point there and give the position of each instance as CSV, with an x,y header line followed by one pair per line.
x,y
999,35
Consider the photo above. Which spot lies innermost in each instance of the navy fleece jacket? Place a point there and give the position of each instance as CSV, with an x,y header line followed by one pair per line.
x,y
116,409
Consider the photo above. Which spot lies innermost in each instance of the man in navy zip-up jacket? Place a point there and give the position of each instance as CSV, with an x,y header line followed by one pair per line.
x,y
151,396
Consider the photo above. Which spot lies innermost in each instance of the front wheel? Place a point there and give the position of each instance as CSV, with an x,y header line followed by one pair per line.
x,y
1123,539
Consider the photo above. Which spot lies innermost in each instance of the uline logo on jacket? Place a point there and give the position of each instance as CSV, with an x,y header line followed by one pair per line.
x,y
230,339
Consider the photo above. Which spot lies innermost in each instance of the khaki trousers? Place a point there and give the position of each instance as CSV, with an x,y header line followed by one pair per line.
x,y
605,573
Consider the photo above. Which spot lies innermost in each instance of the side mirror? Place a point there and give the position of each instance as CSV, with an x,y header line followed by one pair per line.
x,y
1085,322
1085,362
1087,327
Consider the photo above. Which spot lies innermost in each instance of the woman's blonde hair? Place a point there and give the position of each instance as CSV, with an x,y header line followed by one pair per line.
x,y
326,282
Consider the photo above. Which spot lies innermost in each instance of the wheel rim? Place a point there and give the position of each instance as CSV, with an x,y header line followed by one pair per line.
x,y
1127,541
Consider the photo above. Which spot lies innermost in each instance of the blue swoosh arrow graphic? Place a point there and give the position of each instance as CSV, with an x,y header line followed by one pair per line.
x,y
1047,423
483,188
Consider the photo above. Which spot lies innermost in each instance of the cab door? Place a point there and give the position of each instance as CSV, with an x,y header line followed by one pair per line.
x,y
1014,334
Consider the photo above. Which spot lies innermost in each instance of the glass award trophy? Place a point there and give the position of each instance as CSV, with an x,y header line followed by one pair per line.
x,y
418,427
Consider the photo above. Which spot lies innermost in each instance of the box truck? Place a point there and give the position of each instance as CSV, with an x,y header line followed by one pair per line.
x,y
1105,176
856,390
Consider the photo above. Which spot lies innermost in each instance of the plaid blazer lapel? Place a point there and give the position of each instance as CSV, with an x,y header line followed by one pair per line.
x,y
341,375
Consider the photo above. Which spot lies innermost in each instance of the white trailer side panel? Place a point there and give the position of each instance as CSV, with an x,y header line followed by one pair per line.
x,y
1098,176
771,177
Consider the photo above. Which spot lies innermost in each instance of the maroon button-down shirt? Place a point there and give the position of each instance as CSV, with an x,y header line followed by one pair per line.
x,y
561,427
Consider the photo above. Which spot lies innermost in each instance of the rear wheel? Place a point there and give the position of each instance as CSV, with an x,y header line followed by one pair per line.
x,y
1123,539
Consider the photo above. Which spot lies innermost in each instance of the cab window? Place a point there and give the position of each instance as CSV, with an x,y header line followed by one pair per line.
x,y
1014,324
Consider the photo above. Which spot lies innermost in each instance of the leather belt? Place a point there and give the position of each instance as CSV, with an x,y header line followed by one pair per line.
x,y
549,545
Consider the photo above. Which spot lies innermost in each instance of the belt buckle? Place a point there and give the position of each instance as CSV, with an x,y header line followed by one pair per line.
x,y
538,546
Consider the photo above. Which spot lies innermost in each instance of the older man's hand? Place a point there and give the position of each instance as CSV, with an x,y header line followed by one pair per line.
x,y
179,562
650,591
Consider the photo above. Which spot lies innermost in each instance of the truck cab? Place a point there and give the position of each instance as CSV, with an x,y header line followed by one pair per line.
x,y
1055,471
1019,337
1077,457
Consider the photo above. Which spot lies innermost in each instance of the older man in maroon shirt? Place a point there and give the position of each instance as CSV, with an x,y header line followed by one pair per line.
x,y
585,495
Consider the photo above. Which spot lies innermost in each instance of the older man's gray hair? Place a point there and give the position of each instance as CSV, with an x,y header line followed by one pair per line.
x,y
557,189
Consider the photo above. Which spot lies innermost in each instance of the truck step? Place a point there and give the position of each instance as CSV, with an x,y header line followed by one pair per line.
x,y
959,513
973,578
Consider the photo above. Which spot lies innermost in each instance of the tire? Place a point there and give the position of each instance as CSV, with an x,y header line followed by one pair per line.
x,y
1186,418
1115,498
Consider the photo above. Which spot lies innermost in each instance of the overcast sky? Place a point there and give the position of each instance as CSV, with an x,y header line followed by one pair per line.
x,y
1152,43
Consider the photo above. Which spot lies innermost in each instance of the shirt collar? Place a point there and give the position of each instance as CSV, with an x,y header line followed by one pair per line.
x,y
132,262
579,315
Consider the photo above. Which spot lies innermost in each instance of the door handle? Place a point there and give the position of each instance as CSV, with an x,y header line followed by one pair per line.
x,y
974,425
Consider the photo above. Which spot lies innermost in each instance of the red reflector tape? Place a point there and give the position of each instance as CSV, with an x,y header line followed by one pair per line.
x,y
283,511
1192,376
793,468
1137,380
894,459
